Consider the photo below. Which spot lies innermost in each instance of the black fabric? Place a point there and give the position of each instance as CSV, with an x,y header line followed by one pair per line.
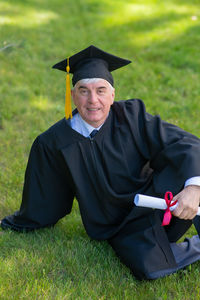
x,y
177,228
133,152
196,222
92,62
185,253
47,195
92,68
142,245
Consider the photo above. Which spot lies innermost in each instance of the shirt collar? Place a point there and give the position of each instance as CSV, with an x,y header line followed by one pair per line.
x,y
87,126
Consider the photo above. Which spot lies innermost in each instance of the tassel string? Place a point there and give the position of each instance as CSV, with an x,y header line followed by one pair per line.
x,y
68,105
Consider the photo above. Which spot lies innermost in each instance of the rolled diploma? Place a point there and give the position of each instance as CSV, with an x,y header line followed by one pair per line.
x,y
154,202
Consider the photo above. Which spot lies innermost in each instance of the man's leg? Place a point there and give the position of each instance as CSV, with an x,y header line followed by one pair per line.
x,y
147,251
177,228
143,246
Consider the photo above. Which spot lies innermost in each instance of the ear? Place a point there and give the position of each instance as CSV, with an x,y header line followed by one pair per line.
x,y
113,95
73,96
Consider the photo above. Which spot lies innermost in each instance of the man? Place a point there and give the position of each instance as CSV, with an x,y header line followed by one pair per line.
x,y
132,152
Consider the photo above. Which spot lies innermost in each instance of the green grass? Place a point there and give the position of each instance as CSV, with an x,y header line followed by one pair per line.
x,y
162,39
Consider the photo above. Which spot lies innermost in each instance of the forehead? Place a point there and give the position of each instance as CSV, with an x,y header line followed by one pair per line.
x,y
94,83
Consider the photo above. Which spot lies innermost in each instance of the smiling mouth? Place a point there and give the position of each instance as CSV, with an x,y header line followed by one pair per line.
x,y
93,109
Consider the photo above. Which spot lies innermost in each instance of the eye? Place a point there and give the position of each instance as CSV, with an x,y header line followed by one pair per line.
x,y
83,91
101,91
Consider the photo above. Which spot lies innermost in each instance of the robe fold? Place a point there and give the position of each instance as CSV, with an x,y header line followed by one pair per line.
x,y
133,152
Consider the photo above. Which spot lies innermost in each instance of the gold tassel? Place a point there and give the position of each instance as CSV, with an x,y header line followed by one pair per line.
x,y
68,105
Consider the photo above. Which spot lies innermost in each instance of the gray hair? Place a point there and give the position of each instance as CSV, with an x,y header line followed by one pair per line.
x,y
92,80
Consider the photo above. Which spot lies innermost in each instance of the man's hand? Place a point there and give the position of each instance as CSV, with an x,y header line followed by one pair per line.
x,y
188,202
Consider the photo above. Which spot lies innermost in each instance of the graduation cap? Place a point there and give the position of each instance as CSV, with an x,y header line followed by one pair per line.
x,y
91,62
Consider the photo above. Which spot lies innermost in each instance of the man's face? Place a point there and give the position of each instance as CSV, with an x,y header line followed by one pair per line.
x,y
93,101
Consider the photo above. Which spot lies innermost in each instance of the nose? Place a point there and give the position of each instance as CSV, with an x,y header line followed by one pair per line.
x,y
93,97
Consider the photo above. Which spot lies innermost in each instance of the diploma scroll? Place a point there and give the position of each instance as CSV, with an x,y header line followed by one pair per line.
x,y
154,202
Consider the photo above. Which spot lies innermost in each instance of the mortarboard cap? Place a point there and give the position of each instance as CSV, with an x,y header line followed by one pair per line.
x,y
91,62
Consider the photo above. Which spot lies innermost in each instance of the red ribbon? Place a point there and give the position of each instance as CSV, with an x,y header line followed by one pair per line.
x,y
168,215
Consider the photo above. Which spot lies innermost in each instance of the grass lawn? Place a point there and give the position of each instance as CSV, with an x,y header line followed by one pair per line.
x,y
162,38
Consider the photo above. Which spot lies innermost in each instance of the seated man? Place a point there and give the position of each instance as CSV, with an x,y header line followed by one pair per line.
x,y
104,155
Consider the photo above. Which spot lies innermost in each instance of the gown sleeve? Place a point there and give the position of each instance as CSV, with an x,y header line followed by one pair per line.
x,y
177,160
47,195
173,153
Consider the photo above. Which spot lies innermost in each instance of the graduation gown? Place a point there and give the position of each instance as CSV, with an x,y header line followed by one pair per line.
x,y
133,152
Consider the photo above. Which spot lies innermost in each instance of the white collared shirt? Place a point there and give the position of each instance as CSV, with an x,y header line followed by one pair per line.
x,y
82,127
78,124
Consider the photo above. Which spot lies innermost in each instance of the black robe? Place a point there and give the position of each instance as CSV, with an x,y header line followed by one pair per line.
x,y
133,152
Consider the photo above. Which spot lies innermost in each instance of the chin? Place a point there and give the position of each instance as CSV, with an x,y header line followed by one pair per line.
x,y
94,119
94,122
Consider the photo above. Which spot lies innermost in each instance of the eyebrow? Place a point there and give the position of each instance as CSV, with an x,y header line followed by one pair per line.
x,y
102,87
84,87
